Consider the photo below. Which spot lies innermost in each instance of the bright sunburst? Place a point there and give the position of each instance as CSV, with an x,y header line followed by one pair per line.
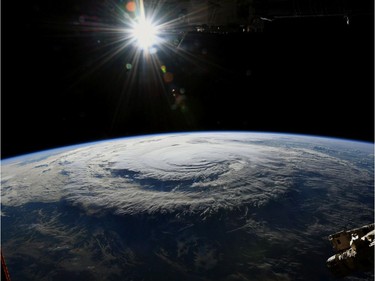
x,y
142,40
145,33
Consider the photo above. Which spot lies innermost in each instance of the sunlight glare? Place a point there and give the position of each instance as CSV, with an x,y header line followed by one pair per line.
x,y
145,33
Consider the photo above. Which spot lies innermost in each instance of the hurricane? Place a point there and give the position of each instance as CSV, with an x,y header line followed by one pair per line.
x,y
185,206
178,173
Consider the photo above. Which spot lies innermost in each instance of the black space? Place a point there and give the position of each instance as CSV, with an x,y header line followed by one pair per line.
x,y
304,75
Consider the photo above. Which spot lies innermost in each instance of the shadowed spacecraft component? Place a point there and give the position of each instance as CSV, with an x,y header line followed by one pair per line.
x,y
223,16
4,269
355,251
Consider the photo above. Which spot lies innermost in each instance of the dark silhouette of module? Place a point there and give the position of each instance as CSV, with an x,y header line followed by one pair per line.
x,y
355,251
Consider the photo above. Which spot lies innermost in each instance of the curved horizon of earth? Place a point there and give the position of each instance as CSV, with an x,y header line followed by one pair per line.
x,y
185,206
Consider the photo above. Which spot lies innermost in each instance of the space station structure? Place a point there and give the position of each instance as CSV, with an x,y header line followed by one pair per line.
x,y
198,14
223,16
355,251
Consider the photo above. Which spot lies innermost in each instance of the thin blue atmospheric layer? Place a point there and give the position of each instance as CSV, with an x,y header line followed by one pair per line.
x,y
185,206
46,153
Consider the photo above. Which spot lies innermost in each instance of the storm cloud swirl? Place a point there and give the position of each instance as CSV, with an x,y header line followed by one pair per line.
x,y
186,173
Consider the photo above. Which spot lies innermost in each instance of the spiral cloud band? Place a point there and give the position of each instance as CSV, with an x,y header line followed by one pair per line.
x,y
188,173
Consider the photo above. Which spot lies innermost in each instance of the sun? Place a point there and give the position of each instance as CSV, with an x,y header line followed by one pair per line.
x,y
145,34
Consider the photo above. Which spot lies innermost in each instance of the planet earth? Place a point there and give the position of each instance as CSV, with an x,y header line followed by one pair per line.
x,y
227,206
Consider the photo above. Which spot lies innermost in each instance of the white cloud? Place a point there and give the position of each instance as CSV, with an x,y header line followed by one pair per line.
x,y
187,173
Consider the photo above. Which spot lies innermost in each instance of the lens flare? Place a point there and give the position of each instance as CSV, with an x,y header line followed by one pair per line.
x,y
168,77
131,6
